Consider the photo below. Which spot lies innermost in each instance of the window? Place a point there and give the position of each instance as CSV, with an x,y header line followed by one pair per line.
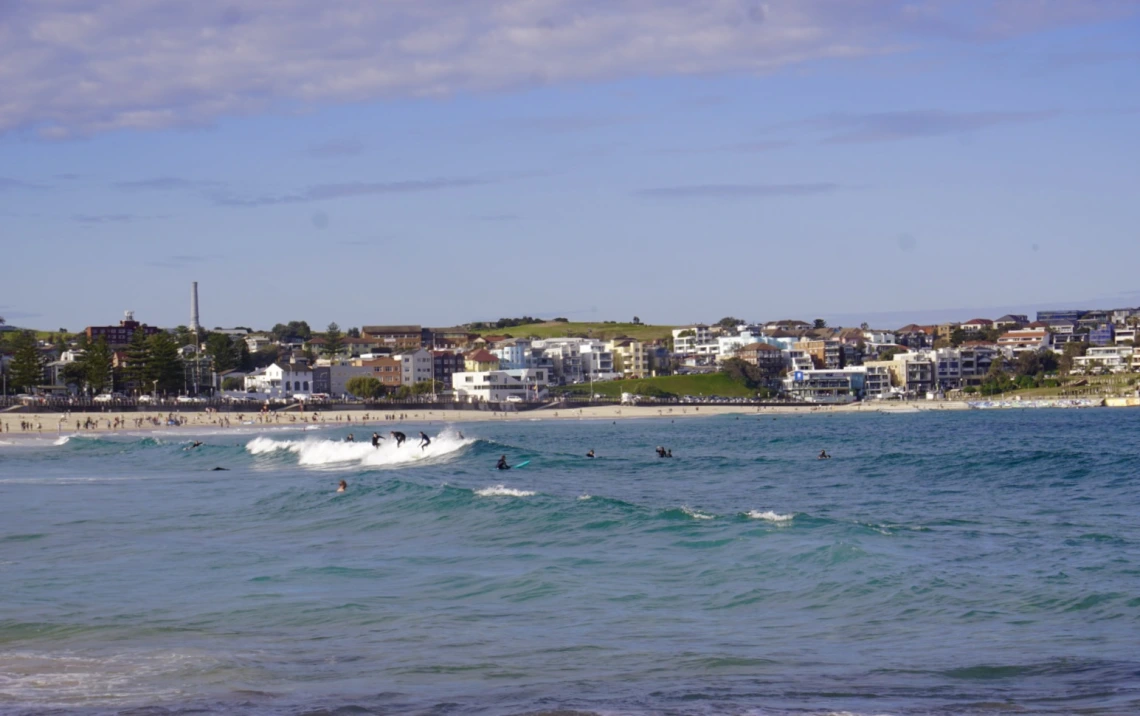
x,y
306,385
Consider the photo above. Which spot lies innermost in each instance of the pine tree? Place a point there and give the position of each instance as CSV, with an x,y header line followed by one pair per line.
x,y
97,363
137,372
165,363
27,367
334,340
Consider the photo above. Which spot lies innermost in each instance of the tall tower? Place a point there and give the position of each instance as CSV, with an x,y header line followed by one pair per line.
x,y
194,325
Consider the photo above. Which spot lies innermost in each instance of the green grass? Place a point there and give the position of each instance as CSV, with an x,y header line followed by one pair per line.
x,y
703,384
601,331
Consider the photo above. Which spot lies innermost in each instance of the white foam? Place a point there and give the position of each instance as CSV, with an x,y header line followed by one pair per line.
x,y
770,516
502,491
585,497
63,440
312,452
696,515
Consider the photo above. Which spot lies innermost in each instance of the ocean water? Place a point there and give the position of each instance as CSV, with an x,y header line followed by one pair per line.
x,y
956,563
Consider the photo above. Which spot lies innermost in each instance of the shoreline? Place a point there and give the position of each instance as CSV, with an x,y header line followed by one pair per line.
x,y
112,421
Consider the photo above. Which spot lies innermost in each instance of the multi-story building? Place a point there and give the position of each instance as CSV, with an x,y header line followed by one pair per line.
x,y
629,357
762,355
912,373
480,361
694,340
397,338
826,386
573,360
1065,315
977,325
1102,335
445,364
1104,359
389,370
513,353
1126,335
416,366
500,385
824,354
1030,339
1011,320
121,334
281,380
877,382
944,330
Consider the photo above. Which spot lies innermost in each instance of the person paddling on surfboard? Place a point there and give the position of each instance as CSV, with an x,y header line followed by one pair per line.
x,y
503,463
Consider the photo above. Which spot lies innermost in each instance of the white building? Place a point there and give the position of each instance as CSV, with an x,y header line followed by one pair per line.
x,y
280,380
514,353
415,366
1029,339
727,346
696,340
826,386
573,360
257,341
494,386
1105,359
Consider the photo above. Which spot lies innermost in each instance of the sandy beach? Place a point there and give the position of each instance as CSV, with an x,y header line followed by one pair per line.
x,y
14,423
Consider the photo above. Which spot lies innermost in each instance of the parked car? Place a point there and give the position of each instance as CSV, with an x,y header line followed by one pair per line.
x,y
146,399
103,398
514,399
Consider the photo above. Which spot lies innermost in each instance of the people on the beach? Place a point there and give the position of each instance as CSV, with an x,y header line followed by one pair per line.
x,y
591,453
376,440
400,437
502,465
342,486
424,440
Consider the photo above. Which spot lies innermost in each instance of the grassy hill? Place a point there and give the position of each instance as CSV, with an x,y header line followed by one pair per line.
x,y
601,331
703,384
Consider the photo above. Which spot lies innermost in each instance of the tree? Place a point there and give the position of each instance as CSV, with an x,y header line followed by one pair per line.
x,y
729,322
1027,364
220,348
232,383
864,326
97,365
27,367
334,340
293,330
166,363
957,337
185,336
819,323
266,356
353,333
744,372
364,386
636,321
245,360
74,374
890,352
1072,349
138,361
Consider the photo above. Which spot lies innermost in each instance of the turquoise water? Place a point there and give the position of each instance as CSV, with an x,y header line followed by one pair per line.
x,y
957,563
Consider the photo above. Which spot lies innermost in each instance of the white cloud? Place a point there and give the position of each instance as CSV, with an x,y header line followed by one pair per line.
x,y
71,67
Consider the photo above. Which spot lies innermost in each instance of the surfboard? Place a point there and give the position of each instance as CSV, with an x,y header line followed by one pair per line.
x,y
524,463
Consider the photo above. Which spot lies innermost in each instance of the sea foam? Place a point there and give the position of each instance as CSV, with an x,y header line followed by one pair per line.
x,y
502,491
312,452
770,516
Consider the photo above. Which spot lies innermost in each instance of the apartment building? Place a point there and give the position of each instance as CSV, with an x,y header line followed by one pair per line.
x,y
500,385
824,354
396,338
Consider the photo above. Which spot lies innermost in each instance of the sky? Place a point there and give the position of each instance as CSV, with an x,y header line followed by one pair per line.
x,y
437,162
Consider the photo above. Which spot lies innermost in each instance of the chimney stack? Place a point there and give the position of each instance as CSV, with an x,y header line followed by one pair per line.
x,y
194,325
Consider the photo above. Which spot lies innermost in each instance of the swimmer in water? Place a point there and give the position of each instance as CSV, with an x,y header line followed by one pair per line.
x,y
660,451
823,455
591,453
400,437
424,440
342,486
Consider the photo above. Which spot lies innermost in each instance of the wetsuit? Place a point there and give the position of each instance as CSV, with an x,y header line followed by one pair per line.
x,y
400,437
503,464
424,440
376,440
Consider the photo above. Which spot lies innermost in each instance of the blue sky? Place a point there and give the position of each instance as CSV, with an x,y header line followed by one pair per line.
x,y
437,162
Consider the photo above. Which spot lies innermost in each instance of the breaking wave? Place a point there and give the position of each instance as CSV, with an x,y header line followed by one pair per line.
x,y
313,452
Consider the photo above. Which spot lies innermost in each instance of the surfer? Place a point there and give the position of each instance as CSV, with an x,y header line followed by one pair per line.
x,y
424,440
196,443
350,439
660,451
342,486
376,440
400,437
220,469
669,452
503,463
823,455
591,453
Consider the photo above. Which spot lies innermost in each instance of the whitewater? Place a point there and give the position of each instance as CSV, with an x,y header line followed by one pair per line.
x,y
958,563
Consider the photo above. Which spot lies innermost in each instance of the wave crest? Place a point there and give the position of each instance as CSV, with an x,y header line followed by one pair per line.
x,y
502,491
770,516
312,453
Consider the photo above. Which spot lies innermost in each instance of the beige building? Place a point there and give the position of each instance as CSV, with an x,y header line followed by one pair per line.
x,y
630,357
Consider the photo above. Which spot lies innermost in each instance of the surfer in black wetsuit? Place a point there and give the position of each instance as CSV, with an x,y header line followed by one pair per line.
x,y
503,463
350,439
660,451
196,443
424,440
400,437
823,455
376,440
591,453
